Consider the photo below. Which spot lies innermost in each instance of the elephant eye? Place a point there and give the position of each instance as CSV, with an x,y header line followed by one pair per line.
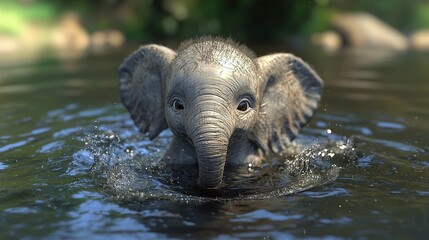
x,y
178,104
243,105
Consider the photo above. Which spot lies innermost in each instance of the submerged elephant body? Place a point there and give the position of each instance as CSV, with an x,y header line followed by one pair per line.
x,y
223,104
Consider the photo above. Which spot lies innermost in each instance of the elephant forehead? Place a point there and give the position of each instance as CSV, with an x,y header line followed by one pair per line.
x,y
214,74
223,58
207,81
221,63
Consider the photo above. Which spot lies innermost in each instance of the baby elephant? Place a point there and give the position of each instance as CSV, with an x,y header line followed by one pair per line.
x,y
223,104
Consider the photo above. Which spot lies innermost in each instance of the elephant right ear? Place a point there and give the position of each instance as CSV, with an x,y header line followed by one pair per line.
x,y
292,94
142,83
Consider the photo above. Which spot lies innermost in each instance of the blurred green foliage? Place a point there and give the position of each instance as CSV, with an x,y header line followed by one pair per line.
x,y
249,20
14,16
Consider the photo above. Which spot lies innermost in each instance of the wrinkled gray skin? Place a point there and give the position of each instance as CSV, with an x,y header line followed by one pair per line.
x,y
224,105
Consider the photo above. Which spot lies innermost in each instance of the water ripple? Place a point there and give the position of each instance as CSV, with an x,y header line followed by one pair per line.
x,y
390,125
15,145
61,111
84,114
66,132
263,214
21,210
392,144
36,131
324,194
51,147
3,166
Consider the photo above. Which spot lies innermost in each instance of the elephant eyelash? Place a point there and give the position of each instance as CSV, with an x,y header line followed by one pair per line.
x,y
262,106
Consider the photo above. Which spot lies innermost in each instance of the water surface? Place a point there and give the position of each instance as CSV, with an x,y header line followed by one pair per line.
x,y
72,165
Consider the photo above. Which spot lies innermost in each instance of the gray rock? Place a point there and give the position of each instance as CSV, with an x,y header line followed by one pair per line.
x,y
419,40
364,30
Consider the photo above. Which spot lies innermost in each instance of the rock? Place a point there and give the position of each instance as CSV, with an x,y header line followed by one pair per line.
x,y
98,39
420,40
9,44
108,38
35,36
115,38
364,30
69,34
330,40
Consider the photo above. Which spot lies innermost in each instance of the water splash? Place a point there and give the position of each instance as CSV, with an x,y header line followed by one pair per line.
x,y
133,170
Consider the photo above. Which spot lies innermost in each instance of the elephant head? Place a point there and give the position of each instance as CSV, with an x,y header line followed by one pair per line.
x,y
213,93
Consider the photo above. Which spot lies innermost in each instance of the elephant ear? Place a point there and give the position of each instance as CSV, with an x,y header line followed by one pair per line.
x,y
292,94
142,83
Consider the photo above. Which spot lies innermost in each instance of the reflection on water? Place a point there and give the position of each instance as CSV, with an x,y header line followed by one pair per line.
x,y
72,164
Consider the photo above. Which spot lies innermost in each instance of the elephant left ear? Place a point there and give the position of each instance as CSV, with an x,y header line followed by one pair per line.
x,y
292,94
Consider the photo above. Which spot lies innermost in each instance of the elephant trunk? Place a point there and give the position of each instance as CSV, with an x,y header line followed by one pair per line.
x,y
210,136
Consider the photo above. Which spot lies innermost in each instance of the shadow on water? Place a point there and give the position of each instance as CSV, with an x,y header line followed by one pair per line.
x,y
72,165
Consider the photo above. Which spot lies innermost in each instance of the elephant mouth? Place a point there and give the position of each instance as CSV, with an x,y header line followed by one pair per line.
x,y
186,138
189,140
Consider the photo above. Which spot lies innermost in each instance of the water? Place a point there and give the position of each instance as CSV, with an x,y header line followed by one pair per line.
x,y
72,165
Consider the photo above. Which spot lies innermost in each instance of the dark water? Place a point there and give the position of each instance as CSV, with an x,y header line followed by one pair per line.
x,y
72,165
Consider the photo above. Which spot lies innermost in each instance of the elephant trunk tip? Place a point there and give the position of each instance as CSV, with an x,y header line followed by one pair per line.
x,y
211,170
209,185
